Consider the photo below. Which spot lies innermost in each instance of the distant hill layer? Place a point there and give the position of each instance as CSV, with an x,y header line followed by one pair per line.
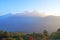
x,y
16,22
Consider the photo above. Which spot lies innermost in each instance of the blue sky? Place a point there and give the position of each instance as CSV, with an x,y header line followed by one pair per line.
x,y
18,6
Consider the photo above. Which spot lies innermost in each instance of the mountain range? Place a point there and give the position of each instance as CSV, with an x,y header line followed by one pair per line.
x,y
29,22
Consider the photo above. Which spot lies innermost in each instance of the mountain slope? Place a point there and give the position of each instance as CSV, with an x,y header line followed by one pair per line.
x,y
29,23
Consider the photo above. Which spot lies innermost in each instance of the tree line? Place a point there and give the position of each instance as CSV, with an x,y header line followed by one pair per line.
x,y
4,35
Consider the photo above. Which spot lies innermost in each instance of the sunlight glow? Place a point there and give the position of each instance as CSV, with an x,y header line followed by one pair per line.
x,y
55,14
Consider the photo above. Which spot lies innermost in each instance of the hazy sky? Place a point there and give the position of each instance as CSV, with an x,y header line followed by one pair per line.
x,y
18,6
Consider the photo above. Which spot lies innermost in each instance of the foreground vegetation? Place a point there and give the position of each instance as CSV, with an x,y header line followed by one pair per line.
x,y
30,36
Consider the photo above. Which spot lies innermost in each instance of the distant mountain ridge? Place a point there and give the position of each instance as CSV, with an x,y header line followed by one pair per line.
x,y
17,22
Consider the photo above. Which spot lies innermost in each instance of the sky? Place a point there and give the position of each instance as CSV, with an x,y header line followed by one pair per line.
x,y
51,7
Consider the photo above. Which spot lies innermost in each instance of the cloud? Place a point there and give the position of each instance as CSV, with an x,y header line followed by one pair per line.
x,y
36,13
33,13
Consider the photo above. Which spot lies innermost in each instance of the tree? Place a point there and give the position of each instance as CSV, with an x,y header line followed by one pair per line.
x,y
55,35
46,35
20,38
10,34
58,30
10,38
40,35
1,33
5,34
35,34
